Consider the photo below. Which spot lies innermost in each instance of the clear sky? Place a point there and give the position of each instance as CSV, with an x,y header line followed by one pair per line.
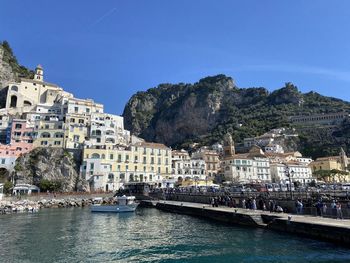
x,y
108,50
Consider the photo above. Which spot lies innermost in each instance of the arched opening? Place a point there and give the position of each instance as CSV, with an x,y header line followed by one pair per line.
x,y
45,135
27,103
95,156
109,132
14,88
58,135
110,140
13,103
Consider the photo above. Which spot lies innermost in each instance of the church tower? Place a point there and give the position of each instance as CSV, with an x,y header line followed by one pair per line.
x,y
39,73
343,159
229,146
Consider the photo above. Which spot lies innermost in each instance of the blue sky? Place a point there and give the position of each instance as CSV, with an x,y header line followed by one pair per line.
x,y
108,50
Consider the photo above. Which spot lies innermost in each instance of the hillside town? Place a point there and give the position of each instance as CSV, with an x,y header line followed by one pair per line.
x,y
41,114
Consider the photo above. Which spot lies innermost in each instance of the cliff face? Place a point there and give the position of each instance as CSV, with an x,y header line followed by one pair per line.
x,y
52,165
10,69
203,112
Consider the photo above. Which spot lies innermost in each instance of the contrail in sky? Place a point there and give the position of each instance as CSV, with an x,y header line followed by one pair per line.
x,y
102,17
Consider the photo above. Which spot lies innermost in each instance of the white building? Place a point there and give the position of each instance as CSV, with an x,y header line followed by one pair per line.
x,y
108,129
274,148
186,168
299,172
245,168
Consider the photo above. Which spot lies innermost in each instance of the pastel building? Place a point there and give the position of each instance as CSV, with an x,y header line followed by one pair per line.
x,y
49,133
76,130
211,159
251,167
110,167
185,168
107,129
9,154
25,95
290,172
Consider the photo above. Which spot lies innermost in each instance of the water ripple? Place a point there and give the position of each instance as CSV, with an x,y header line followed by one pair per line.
x,y
76,235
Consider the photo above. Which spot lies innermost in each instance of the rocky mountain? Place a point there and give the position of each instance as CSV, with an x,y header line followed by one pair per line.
x,y
10,69
51,166
181,114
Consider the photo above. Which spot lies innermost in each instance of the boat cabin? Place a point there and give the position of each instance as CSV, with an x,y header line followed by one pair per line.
x,y
125,200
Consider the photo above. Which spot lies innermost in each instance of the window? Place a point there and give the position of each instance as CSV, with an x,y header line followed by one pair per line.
x,y
44,143
91,166
87,110
57,143
111,156
2,161
76,109
81,121
18,126
144,159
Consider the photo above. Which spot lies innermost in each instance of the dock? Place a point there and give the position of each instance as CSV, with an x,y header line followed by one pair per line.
x,y
326,229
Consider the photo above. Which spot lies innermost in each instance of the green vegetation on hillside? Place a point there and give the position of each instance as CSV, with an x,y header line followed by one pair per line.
x,y
181,114
8,57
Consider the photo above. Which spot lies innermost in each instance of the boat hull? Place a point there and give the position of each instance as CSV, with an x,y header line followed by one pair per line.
x,y
114,208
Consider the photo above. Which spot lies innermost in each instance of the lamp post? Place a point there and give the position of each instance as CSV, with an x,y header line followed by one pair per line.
x,y
289,174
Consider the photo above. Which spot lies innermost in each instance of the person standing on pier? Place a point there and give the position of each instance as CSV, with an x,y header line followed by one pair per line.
x,y
254,204
324,209
299,207
339,211
334,208
243,204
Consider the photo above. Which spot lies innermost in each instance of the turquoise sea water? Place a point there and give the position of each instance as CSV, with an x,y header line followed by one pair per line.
x,y
149,235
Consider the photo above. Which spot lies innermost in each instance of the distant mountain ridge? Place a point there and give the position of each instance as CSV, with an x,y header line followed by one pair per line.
x,y
181,114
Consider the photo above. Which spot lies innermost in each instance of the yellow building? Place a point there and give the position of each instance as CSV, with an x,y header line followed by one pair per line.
x,y
109,167
330,163
211,159
75,130
49,134
326,163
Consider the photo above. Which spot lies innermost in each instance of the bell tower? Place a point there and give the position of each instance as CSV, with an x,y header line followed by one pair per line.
x,y
229,146
39,73
343,159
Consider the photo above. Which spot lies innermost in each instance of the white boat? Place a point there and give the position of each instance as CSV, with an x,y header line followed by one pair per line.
x,y
124,204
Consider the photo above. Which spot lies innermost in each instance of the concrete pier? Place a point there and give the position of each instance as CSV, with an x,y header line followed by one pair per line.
x,y
331,230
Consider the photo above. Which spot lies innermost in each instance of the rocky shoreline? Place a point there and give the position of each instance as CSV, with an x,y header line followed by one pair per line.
x,y
28,206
